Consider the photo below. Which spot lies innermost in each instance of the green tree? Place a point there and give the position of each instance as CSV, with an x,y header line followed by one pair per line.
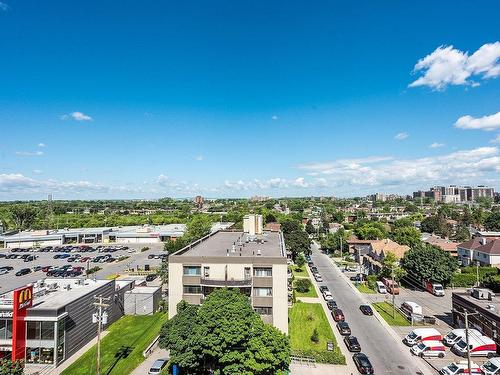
x,y
310,228
462,234
198,227
391,267
370,230
492,222
404,222
409,236
429,262
300,261
224,336
8,367
303,285
436,224
162,272
22,216
315,336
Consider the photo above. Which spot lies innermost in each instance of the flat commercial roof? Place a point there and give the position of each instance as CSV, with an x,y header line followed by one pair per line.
x,y
236,244
492,306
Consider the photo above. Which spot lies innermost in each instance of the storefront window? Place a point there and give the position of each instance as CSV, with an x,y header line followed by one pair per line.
x,y
32,355
60,341
40,355
47,355
3,329
8,334
47,330
33,330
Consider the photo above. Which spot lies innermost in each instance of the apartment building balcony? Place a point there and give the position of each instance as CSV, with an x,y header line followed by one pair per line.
x,y
235,283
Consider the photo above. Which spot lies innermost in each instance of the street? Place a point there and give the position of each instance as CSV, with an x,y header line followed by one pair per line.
x,y
386,354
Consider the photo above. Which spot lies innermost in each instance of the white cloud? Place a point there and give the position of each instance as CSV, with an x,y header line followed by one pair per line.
x,y
450,66
4,6
78,116
29,153
41,145
488,123
401,136
200,157
436,145
274,117
458,166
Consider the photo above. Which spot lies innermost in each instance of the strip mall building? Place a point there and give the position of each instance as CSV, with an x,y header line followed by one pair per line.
x,y
45,323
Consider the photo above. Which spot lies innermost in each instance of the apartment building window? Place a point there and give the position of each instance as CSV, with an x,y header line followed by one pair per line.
x,y
192,270
248,272
262,272
206,272
263,292
192,289
263,310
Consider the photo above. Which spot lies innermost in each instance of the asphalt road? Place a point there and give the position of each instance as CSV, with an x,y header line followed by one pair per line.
x,y
9,281
386,354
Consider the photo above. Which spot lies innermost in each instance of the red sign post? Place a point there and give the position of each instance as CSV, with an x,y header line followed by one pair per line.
x,y
23,298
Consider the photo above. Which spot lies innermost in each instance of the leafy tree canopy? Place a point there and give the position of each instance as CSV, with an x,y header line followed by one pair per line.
x,y
493,221
8,367
409,236
430,263
224,336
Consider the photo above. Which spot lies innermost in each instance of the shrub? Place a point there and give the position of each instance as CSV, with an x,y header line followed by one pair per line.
x,y
93,270
315,336
371,281
463,280
303,285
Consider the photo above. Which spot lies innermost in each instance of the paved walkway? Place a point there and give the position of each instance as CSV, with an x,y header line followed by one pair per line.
x,y
320,369
144,367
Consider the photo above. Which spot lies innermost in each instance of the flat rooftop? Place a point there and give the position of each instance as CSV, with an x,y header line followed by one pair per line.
x,y
491,305
236,244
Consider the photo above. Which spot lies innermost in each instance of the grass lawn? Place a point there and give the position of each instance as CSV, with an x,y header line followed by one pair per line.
x,y
304,318
299,272
364,289
122,347
385,310
310,293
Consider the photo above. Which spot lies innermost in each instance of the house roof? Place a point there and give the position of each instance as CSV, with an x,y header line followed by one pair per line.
x,y
442,243
389,246
492,247
472,244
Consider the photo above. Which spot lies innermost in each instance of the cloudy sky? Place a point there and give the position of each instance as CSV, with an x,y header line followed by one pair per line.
x,y
223,98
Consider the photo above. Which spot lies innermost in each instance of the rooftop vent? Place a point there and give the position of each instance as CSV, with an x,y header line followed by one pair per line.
x,y
482,294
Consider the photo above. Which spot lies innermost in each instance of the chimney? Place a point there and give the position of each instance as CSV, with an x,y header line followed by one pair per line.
x,y
482,240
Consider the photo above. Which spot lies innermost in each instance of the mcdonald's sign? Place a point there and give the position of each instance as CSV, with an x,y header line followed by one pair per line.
x,y
24,298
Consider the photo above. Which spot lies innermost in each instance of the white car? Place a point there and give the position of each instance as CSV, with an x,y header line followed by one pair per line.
x,y
327,296
3,271
318,278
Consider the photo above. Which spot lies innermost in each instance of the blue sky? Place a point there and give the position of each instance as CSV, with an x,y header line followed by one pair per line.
x,y
150,99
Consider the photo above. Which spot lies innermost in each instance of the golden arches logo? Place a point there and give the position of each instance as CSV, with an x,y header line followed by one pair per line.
x,y
25,297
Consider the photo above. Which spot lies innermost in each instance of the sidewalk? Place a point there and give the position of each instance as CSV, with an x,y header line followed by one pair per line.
x,y
320,369
144,367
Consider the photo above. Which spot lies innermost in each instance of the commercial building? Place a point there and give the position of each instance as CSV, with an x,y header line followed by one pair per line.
x,y
254,263
484,311
47,322
142,300
137,234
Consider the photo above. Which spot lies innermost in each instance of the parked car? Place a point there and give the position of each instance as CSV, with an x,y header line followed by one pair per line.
x,y
323,288
331,304
429,348
455,335
151,256
327,296
344,328
461,367
357,278
3,271
422,334
23,271
8,268
352,344
492,367
318,277
362,363
157,366
337,315
151,277
366,309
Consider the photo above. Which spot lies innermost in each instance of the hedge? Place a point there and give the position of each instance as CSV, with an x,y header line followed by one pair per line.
x,y
463,280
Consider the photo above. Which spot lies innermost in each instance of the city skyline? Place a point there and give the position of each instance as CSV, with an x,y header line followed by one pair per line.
x,y
236,100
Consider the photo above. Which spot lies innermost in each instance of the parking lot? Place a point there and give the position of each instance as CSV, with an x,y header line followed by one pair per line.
x,y
125,257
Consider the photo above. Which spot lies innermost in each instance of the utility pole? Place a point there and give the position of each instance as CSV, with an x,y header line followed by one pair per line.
x,y
340,238
393,295
100,318
477,274
466,316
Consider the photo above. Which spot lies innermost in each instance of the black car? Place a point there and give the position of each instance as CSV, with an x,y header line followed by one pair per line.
x,y
23,271
8,268
362,363
352,344
366,309
322,288
357,278
344,328
151,256
310,264
331,304
151,277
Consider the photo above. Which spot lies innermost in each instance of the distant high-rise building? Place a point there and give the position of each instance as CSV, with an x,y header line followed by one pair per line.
x,y
456,194
199,200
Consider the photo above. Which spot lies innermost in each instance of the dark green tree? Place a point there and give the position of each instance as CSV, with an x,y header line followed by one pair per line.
x,y
310,228
430,263
409,236
300,261
224,336
492,222
370,230
22,216
303,285
8,367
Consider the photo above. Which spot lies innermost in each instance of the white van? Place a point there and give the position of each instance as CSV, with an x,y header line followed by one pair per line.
x,y
461,367
479,346
422,334
381,287
492,367
456,335
158,365
411,308
431,348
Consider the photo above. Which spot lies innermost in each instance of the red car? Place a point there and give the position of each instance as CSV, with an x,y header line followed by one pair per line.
x,y
84,259
338,315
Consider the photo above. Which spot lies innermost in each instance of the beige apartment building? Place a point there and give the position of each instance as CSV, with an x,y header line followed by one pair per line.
x,y
254,263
